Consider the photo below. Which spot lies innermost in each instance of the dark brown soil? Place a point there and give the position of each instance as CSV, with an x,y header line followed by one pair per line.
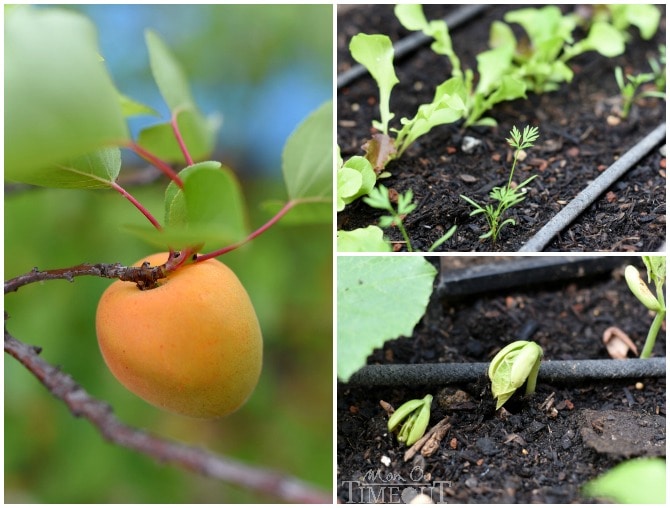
x,y
576,144
528,452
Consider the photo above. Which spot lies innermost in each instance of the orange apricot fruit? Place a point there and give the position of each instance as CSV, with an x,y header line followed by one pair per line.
x,y
192,345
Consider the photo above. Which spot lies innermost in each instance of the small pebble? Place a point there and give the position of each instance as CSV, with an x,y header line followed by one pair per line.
x,y
385,460
470,144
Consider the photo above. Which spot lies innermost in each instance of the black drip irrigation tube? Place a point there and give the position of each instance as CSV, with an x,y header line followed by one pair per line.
x,y
552,372
410,43
587,196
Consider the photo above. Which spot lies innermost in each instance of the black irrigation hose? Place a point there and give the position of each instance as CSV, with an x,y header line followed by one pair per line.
x,y
413,41
587,196
553,372
522,271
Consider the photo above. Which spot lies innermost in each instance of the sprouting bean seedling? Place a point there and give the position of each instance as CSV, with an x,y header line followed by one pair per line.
x,y
655,272
506,196
415,414
515,364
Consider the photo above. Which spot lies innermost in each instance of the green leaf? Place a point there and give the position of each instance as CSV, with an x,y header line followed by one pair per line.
x,y
605,39
96,170
131,107
60,102
167,73
645,17
636,481
375,53
379,298
356,178
307,159
209,209
369,239
515,364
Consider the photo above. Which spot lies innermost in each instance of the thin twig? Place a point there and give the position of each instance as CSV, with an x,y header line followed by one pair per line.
x,y
100,414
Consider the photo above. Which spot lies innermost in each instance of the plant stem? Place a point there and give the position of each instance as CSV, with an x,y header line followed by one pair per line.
x,y
162,165
285,209
180,139
653,333
404,233
137,204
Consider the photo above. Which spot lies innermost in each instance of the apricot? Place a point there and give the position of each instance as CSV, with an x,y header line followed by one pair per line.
x,y
192,345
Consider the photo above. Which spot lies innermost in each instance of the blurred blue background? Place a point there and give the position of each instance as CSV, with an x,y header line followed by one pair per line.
x,y
262,68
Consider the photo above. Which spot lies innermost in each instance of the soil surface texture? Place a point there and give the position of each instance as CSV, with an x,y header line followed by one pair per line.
x,y
580,137
537,449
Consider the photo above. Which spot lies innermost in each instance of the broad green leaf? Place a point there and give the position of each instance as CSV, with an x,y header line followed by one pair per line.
x,y
375,53
369,239
60,102
95,170
378,298
167,73
307,159
199,135
636,481
209,209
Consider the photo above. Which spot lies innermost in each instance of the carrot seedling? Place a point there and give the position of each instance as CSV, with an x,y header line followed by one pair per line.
x,y
507,196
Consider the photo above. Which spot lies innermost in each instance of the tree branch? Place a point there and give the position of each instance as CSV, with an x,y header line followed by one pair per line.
x,y
100,414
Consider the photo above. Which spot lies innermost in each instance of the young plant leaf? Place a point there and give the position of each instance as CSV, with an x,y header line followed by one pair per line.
x,y
60,102
375,53
369,239
515,364
640,289
355,178
379,298
636,481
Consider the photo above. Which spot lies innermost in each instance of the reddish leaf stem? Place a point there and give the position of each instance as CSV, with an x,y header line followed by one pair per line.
x,y
162,165
137,204
180,139
285,209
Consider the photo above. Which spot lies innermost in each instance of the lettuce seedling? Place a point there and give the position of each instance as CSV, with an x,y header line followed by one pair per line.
x,y
457,93
379,198
542,63
515,364
416,415
506,196
655,272
355,178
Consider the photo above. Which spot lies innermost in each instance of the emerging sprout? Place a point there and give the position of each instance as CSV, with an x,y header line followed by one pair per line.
x,y
416,415
511,367
656,273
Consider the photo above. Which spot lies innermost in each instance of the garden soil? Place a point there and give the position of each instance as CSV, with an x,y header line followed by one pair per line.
x,y
537,449
579,138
